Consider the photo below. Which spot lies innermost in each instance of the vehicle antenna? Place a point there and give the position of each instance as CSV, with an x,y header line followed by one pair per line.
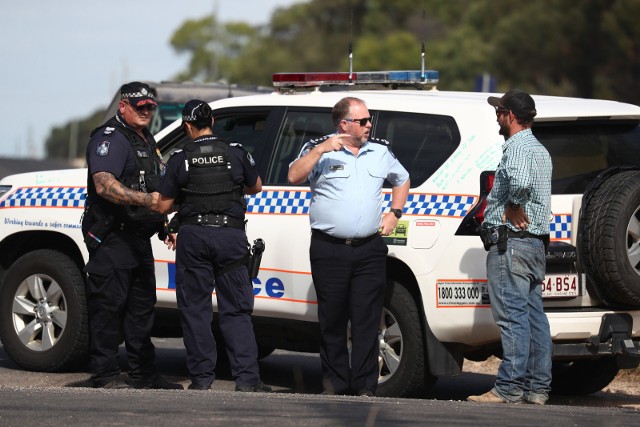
x,y
422,54
350,43
350,63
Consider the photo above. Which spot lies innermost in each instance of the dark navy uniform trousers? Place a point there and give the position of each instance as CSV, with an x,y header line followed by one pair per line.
x,y
350,285
121,295
201,252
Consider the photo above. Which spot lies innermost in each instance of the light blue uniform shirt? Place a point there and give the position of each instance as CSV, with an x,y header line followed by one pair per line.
x,y
346,190
523,177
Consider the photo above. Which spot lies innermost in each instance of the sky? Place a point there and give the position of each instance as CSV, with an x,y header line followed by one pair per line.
x,y
64,59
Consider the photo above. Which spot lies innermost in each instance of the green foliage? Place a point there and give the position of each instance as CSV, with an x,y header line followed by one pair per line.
x,y
588,49
60,140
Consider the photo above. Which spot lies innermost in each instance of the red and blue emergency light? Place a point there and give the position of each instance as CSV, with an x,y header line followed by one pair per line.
x,y
428,78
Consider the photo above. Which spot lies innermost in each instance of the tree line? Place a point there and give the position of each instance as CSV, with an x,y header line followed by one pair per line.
x,y
587,49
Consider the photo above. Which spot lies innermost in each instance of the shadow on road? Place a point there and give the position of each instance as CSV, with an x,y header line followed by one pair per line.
x,y
288,373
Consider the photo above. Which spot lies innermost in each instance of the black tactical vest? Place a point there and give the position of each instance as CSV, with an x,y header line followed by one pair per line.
x,y
147,178
210,187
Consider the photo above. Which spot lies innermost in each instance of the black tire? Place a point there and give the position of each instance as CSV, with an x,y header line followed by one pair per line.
x,y
610,239
403,369
43,323
581,377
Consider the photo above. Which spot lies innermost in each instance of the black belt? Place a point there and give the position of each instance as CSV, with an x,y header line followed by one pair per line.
x,y
525,234
214,220
349,242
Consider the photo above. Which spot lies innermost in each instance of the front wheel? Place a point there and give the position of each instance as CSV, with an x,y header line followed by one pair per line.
x,y
402,358
43,323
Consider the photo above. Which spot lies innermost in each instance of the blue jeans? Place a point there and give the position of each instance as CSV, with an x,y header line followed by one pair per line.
x,y
515,278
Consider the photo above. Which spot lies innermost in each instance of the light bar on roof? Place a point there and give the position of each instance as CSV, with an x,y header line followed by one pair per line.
x,y
388,78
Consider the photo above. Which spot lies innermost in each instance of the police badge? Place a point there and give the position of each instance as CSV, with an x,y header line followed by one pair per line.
x,y
103,148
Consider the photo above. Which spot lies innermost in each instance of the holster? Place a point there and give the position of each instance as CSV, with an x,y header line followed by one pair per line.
x,y
98,232
255,258
495,236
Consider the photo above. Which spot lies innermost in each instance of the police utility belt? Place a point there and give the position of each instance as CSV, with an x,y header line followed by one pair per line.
x,y
214,220
317,234
499,236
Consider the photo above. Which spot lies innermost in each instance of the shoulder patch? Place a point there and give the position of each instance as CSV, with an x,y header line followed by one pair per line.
x,y
250,158
103,148
252,162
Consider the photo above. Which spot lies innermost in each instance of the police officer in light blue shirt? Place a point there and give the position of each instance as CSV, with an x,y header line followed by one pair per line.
x,y
346,171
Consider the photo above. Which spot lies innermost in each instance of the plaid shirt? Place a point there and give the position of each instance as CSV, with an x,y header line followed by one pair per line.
x,y
523,177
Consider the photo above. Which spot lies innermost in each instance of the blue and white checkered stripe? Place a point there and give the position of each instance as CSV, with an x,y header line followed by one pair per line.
x,y
435,204
560,227
68,197
279,202
282,202
297,203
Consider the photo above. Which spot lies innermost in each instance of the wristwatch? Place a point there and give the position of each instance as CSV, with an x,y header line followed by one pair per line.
x,y
513,206
397,212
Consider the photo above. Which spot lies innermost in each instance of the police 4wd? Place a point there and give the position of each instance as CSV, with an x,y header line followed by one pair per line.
x,y
437,310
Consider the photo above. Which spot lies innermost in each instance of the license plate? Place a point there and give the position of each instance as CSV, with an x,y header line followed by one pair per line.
x,y
560,286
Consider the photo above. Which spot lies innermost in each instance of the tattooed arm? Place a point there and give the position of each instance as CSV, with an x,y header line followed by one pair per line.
x,y
108,187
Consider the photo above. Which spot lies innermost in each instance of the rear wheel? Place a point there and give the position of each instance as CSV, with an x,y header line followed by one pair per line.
x,y
610,238
580,377
403,371
43,324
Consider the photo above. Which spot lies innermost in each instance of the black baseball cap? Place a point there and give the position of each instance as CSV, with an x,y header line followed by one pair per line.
x,y
517,101
196,110
138,94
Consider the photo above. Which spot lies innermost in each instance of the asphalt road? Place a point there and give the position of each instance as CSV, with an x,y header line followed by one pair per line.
x,y
43,399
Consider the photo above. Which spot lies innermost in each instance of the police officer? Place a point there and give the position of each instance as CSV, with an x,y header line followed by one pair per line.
x,y
124,170
346,171
208,179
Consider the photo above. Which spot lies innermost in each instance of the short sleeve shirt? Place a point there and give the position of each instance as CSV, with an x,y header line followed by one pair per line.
x,y
110,151
346,200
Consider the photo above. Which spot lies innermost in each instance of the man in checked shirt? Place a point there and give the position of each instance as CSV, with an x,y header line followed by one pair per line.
x,y
516,231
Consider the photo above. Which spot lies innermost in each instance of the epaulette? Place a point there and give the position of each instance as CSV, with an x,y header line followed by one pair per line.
x,y
380,141
236,145
313,142
108,130
175,152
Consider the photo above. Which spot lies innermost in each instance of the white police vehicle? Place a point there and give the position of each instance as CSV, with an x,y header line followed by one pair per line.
x,y
437,310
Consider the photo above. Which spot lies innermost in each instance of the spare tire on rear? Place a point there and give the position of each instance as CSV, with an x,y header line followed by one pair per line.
x,y
609,239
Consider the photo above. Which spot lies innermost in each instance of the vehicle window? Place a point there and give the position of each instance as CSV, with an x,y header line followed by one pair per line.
x,y
581,150
246,128
298,127
166,114
421,142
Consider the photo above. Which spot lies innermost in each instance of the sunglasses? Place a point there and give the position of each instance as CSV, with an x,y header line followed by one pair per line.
x,y
362,122
142,108
501,111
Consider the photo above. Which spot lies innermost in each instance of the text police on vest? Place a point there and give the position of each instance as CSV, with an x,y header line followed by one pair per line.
x,y
213,160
